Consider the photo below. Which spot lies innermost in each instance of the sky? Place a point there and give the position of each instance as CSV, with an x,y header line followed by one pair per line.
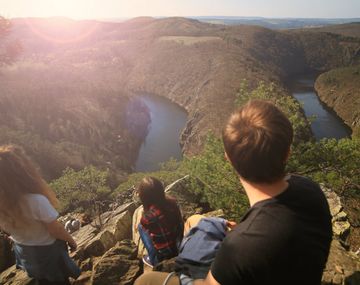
x,y
99,9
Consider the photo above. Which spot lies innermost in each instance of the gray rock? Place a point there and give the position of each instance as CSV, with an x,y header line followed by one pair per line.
x,y
342,268
94,241
13,276
341,225
119,265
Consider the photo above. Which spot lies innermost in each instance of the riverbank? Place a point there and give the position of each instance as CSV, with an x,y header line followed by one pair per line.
x,y
340,90
163,139
325,123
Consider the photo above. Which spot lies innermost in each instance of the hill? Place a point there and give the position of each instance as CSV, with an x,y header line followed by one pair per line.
x,y
349,30
340,90
70,100
275,23
198,65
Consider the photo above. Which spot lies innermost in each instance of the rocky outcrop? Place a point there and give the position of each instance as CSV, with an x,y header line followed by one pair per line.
x,y
103,233
343,266
106,255
13,276
341,225
119,265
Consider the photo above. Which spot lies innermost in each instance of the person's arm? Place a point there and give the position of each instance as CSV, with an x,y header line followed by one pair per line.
x,y
210,280
57,230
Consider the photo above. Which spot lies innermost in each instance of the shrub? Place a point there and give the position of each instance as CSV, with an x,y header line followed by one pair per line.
x,y
79,190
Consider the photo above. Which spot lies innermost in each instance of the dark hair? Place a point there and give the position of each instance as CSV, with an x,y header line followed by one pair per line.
x,y
151,192
257,140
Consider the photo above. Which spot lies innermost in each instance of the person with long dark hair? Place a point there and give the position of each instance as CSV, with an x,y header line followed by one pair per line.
x,y
161,226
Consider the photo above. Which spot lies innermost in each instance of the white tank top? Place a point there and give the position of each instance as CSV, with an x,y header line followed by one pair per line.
x,y
38,211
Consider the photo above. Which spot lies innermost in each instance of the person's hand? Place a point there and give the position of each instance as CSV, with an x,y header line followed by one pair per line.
x,y
230,224
73,245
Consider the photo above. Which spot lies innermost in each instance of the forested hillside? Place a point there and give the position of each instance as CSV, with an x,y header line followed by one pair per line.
x,y
340,90
197,65
70,97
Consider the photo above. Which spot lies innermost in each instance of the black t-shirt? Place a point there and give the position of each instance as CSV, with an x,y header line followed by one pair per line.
x,y
282,240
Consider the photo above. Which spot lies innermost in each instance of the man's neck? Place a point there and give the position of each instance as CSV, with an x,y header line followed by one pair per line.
x,y
257,192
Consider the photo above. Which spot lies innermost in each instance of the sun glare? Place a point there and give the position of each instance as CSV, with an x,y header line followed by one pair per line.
x,y
68,8
62,30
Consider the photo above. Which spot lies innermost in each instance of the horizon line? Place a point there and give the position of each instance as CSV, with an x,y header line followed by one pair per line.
x,y
203,16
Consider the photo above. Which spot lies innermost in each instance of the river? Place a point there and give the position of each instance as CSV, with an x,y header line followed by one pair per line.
x,y
326,123
168,120
162,141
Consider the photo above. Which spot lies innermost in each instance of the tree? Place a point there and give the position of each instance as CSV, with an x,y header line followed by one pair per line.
x,y
9,50
221,186
81,190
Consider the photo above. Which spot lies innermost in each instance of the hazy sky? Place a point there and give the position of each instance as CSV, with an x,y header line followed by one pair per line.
x,y
131,8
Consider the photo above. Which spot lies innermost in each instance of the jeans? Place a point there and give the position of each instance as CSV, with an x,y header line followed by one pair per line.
x,y
48,263
146,239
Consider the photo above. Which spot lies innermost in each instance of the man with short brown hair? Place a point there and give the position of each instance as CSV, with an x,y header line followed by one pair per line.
x,y
284,238
257,141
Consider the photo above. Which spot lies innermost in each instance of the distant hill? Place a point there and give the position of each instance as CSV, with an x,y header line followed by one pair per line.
x,y
198,65
349,30
276,23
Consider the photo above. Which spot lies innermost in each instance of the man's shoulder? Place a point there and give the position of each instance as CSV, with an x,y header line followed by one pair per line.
x,y
271,221
301,181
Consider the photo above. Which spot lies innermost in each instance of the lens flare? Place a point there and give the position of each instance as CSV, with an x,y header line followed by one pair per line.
x,y
62,30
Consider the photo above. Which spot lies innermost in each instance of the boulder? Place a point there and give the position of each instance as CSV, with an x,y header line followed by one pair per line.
x,y
119,265
13,276
83,279
341,225
343,267
96,238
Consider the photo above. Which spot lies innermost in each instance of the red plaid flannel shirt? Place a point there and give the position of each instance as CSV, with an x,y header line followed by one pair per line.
x,y
164,230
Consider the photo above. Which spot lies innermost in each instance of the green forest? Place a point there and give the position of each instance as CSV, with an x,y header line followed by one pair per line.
x,y
330,162
72,107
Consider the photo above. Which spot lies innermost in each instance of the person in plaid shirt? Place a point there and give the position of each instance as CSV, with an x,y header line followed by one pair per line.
x,y
161,227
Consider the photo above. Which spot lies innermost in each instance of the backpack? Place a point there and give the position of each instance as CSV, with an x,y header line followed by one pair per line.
x,y
198,249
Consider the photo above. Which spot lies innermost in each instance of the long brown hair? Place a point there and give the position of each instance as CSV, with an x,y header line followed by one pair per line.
x,y
151,192
19,176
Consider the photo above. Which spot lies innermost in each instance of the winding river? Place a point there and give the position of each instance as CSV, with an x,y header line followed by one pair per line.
x,y
326,123
162,141
168,120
